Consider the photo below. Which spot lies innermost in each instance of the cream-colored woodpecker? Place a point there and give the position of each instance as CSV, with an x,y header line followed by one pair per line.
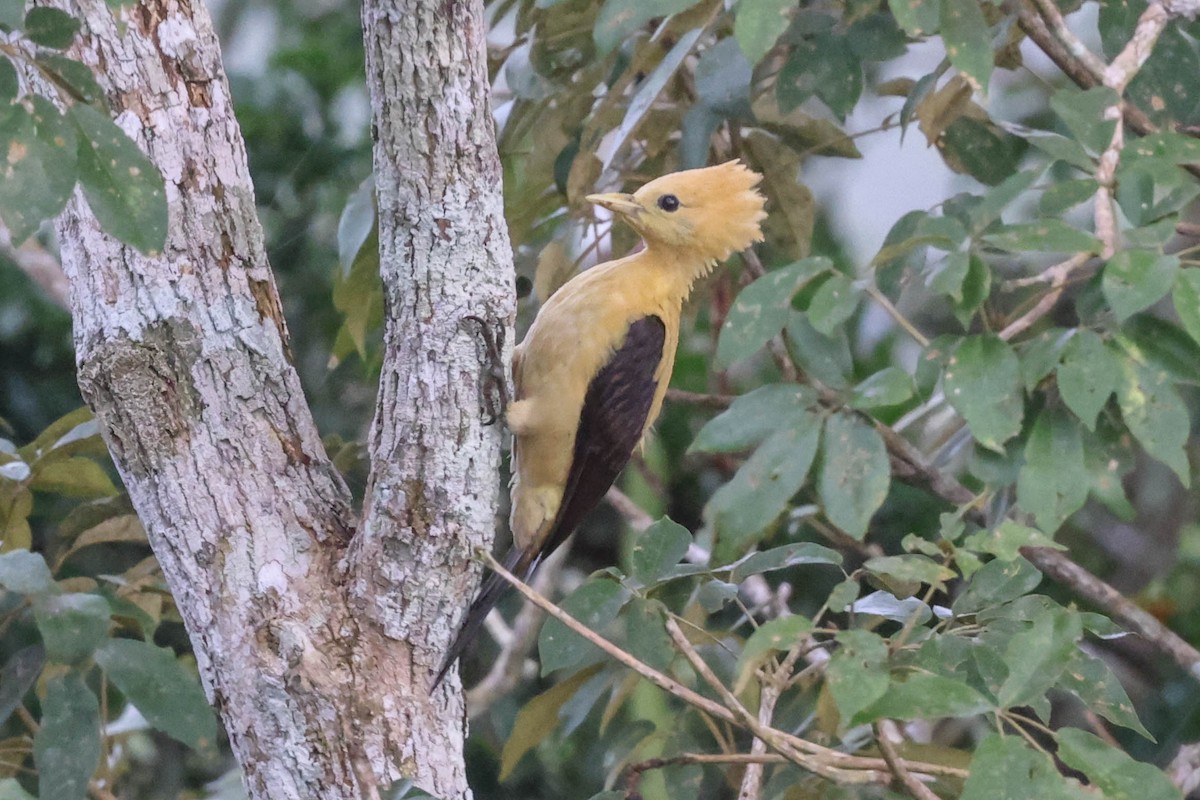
x,y
592,371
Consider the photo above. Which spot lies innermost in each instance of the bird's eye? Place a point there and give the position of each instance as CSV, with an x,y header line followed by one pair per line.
x,y
668,202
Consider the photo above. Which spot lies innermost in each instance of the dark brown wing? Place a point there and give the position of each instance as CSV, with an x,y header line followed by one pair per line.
x,y
611,422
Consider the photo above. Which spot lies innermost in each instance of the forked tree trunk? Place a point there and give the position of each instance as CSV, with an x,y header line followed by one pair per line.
x,y
314,639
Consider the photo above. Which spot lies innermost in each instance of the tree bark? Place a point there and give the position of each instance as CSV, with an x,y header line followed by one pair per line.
x,y
313,642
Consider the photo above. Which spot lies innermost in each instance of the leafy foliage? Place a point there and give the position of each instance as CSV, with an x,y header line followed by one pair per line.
x,y
802,555
48,152
78,648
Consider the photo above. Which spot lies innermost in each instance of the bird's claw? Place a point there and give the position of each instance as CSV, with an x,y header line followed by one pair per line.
x,y
493,384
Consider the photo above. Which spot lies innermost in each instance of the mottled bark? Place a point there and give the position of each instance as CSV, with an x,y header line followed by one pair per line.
x,y
304,635
445,257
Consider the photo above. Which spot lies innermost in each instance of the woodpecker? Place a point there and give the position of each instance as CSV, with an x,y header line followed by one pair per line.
x,y
592,371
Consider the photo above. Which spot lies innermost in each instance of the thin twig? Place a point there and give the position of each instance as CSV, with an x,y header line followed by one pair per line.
x,y
848,769
901,320
918,790
717,402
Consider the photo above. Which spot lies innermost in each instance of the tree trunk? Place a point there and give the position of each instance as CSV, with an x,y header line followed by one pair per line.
x,y
314,642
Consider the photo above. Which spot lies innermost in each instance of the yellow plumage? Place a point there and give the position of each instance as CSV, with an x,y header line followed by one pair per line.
x,y
593,368
578,329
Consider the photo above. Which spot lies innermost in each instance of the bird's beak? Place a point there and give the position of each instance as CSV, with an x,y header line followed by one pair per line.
x,y
623,204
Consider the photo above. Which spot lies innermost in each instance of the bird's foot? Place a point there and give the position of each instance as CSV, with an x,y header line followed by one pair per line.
x,y
493,384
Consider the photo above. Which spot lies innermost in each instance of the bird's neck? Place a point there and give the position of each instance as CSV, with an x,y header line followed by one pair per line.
x,y
678,268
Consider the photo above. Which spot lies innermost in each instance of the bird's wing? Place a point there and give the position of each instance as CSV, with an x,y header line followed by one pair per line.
x,y
611,424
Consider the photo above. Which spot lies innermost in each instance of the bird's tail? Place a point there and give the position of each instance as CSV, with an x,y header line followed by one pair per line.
x,y
520,563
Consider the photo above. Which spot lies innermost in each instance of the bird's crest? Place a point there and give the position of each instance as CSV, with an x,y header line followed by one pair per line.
x,y
715,210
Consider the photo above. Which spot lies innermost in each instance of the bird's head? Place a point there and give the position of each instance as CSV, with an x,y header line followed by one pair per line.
x,y
712,211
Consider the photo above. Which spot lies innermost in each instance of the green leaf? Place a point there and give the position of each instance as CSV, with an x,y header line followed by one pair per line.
x,y
24,572
12,14
842,595
72,625
983,383
1186,298
73,477
50,27
968,40
826,359
538,718
356,223
857,673
646,635
889,387
982,149
1113,771
780,634
1003,768
762,309
723,77
619,19
788,555
1065,195
1006,540
1091,680
924,697
855,473
713,595
1156,415
1089,374
997,582
1083,112
18,675
1136,279
168,695
1037,656
910,568
752,417
123,188
66,748
71,76
1001,197
833,303
596,603
40,171
758,25
825,65
1043,236
1041,354
1053,484
658,549
917,17
947,276
887,605
743,509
